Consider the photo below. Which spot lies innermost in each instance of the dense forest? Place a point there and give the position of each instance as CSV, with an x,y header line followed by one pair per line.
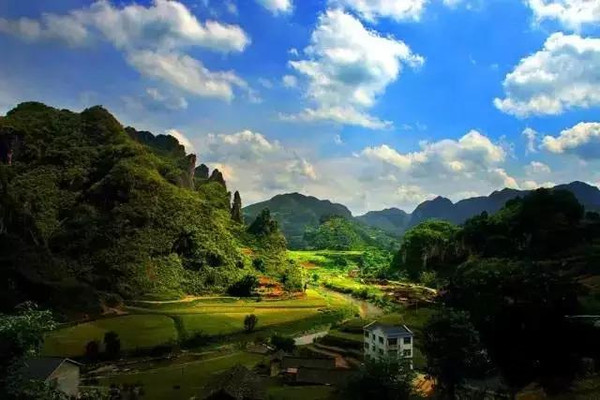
x,y
510,284
92,212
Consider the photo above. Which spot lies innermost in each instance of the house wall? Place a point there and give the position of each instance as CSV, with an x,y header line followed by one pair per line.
x,y
374,348
66,378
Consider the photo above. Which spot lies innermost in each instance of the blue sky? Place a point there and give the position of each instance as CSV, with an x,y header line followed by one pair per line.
x,y
372,103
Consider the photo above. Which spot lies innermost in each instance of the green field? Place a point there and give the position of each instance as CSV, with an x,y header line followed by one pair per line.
x,y
181,381
155,325
135,331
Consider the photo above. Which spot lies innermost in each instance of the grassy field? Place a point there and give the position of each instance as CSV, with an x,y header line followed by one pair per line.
x,y
135,331
155,325
182,381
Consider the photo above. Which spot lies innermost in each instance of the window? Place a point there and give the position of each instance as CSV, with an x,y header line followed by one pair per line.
x,y
373,347
381,351
407,340
380,339
366,334
367,346
407,353
393,342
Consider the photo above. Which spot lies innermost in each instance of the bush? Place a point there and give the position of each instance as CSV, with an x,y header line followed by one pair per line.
x,y
250,322
259,264
287,344
92,350
112,345
244,287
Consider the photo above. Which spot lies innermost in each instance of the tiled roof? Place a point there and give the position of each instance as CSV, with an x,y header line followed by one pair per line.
x,y
390,330
41,368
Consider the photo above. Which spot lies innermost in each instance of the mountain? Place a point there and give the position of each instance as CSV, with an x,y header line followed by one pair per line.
x,y
295,212
91,211
391,220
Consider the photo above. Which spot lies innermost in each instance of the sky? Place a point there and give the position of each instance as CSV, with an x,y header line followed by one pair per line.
x,y
370,103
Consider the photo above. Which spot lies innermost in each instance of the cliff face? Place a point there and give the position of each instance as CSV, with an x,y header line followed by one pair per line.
x,y
9,141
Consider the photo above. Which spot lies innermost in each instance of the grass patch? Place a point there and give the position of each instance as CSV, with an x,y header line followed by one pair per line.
x,y
191,378
301,392
135,331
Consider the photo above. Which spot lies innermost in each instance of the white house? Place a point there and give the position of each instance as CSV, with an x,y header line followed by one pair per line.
x,y
63,373
388,341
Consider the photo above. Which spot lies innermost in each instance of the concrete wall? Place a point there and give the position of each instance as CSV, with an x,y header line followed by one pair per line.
x,y
66,378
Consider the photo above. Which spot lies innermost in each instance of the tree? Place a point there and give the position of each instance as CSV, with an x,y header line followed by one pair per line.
x,y
428,246
92,350
259,264
250,322
263,225
286,344
453,350
384,378
21,336
524,301
236,208
112,345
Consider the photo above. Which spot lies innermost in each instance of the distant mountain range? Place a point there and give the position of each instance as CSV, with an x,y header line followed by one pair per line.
x,y
295,212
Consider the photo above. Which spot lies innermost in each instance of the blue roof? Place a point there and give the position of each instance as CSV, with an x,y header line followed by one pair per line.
x,y
390,330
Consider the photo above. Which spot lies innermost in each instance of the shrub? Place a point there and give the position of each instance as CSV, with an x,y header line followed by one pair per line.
x,y
92,350
244,287
250,322
112,345
287,344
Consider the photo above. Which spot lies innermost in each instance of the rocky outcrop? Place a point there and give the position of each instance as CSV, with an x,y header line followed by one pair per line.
x,y
8,145
217,176
202,172
190,170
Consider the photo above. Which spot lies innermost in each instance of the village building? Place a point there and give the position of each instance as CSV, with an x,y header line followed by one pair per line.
x,y
62,373
381,340
237,383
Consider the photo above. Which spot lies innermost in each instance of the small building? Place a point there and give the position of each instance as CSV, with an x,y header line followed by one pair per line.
x,y
381,340
237,383
63,373
290,365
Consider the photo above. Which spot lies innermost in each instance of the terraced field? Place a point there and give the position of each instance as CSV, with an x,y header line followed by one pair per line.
x,y
151,324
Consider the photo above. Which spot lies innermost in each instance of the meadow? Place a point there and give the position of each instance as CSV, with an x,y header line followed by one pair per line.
x,y
151,324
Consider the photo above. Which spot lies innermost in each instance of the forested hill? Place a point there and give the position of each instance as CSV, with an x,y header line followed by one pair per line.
x,y
91,211
396,221
295,212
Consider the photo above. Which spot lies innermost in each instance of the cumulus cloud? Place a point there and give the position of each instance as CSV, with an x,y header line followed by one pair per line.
x,y
532,185
531,138
153,39
182,139
536,168
571,14
348,67
289,81
561,76
582,140
277,6
412,194
399,10
260,167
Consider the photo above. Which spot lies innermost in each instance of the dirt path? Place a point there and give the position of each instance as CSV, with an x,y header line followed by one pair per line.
x,y
308,339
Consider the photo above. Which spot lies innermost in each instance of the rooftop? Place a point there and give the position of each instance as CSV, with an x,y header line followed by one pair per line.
x,y
389,330
41,368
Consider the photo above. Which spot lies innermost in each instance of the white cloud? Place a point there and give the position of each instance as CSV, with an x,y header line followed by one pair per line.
x,y
151,37
341,115
262,167
582,140
532,185
289,81
348,67
277,6
164,24
561,76
531,138
412,194
294,52
572,14
182,139
267,84
170,102
337,139
186,73
399,10
536,168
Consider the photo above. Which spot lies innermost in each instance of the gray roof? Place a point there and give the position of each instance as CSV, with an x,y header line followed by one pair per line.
x,y
390,330
310,362
41,368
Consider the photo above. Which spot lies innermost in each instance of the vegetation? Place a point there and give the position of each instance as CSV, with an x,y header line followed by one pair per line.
x,y
250,322
339,233
386,378
283,343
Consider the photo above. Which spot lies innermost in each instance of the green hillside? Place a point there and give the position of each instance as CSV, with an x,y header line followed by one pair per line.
x,y
90,210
